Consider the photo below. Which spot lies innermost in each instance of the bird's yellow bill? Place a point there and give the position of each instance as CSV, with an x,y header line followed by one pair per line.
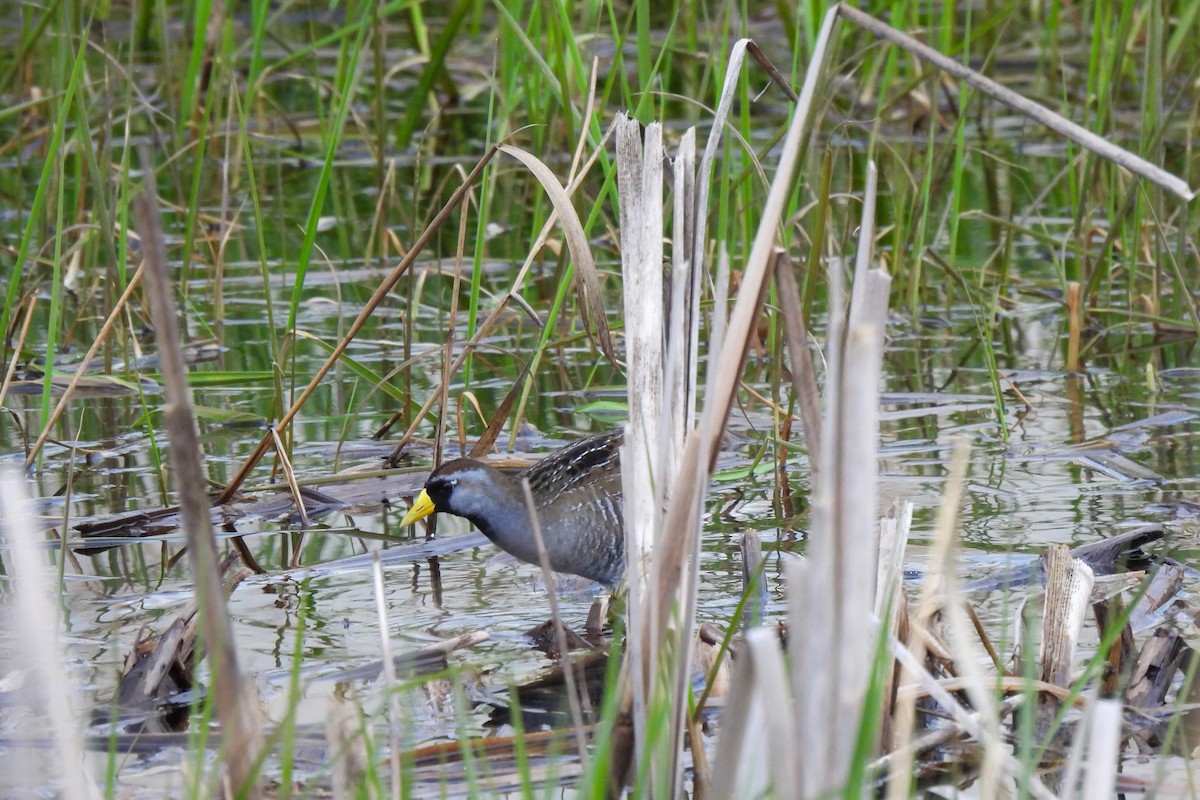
x,y
421,509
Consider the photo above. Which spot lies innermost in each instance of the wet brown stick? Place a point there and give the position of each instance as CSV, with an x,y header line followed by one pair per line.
x,y
1154,673
380,293
1074,326
1123,652
237,709
780,80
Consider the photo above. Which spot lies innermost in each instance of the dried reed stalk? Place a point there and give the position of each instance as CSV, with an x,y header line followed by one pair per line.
x,y
236,703
443,389
390,688
33,619
289,475
1055,122
18,347
587,278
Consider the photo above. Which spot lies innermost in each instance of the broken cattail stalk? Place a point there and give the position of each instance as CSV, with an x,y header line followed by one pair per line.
x,y
683,320
679,406
660,623
1068,595
639,185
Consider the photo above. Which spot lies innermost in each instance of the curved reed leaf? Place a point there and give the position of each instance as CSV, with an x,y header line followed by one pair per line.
x,y
587,277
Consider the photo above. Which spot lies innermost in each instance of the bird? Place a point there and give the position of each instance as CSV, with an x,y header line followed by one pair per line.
x,y
576,493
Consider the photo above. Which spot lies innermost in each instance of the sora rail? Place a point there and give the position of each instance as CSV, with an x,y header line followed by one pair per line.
x,y
577,495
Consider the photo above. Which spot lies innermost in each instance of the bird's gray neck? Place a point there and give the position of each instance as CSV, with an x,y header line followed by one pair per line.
x,y
505,520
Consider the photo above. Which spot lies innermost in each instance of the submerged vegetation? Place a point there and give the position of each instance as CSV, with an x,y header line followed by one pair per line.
x,y
391,230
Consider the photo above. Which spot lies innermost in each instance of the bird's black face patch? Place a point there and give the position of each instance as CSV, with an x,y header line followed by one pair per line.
x,y
440,487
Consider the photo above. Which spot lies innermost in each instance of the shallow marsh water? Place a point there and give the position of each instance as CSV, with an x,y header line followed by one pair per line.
x,y
1075,467
1037,489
